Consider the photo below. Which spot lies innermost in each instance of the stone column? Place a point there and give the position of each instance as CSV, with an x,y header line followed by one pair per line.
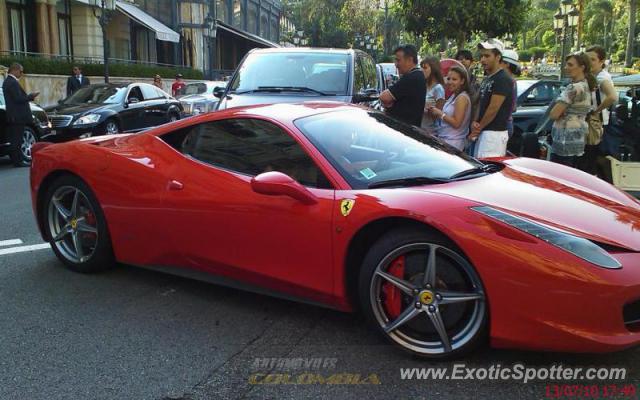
x,y
54,34
42,25
4,27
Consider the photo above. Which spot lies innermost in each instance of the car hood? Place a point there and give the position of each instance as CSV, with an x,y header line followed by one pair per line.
x,y
556,196
75,109
239,100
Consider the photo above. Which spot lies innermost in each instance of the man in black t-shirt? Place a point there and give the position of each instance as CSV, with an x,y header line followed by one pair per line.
x,y
406,98
496,97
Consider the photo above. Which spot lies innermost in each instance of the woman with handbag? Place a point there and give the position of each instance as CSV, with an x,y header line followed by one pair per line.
x,y
570,128
598,119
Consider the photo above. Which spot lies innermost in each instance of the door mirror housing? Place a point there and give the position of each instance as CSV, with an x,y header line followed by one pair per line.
x,y
365,96
218,91
276,183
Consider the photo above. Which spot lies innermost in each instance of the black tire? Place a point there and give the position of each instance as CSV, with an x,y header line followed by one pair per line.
x,y
425,342
101,257
108,124
20,153
173,117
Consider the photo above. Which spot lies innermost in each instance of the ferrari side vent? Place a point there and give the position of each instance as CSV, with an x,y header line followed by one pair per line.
x,y
631,315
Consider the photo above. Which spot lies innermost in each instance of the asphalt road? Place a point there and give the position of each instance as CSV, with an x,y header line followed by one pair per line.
x,y
137,334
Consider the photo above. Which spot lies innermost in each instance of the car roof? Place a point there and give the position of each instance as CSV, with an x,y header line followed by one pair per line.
x,y
282,112
303,50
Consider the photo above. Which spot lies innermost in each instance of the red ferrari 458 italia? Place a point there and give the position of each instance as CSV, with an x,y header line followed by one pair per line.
x,y
347,208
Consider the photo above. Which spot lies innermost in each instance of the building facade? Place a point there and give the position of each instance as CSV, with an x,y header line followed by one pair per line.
x,y
161,32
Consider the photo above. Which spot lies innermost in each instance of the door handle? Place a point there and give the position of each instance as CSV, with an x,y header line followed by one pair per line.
x,y
175,185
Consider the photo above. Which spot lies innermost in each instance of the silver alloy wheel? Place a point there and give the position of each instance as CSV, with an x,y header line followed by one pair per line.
x,y
173,118
72,224
28,139
112,128
426,301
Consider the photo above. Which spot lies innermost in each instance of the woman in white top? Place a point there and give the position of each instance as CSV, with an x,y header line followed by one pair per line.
x,y
435,92
456,113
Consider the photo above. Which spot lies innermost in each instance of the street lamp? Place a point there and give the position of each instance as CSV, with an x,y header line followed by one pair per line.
x,y
565,20
107,9
211,28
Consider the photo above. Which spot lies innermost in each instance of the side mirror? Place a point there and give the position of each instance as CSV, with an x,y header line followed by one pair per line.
x,y
218,92
366,95
60,101
276,183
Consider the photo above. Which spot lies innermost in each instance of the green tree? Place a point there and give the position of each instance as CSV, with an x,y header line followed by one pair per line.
x,y
633,8
436,19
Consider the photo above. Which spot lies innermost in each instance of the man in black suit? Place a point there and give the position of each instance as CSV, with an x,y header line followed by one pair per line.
x,y
76,81
18,110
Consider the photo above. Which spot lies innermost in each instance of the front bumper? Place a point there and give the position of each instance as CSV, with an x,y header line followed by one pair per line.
x,y
544,298
59,135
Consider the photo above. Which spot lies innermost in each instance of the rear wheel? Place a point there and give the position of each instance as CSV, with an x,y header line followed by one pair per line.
x,y
422,294
21,154
76,227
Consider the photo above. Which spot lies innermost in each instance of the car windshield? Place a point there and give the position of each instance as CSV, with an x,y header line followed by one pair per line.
x,y
522,86
192,88
97,95
321,72
368,147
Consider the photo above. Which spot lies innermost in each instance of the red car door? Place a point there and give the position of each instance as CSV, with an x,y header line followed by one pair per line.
x,y
222,226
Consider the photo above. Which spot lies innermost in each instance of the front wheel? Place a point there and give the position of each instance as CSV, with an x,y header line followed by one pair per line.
x,y
422,294
111,127
76,226
173,117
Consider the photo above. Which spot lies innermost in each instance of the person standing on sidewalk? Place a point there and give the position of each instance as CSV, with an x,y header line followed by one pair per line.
x,y
406,98
18,111
496,93
598,119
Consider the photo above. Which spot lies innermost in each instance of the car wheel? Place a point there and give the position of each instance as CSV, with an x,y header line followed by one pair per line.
x,y
111,127
173,117
21,155
422,294
76,227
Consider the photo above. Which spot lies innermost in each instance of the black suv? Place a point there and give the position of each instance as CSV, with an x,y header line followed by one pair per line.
x,y
33,132
292,75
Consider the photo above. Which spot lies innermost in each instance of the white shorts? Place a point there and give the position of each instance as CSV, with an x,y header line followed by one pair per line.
x,y
491,144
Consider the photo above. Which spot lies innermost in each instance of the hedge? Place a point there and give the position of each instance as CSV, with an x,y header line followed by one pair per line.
x,y
46,66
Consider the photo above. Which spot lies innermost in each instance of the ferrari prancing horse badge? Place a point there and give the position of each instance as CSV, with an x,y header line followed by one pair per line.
x,y
346,206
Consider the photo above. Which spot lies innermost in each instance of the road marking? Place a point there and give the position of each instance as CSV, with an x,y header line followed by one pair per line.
x,y
22,249
11,242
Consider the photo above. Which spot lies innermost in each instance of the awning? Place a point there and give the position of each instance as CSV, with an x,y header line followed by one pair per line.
x,y
246,35
162,31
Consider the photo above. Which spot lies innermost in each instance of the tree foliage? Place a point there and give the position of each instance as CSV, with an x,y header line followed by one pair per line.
x,y
436,19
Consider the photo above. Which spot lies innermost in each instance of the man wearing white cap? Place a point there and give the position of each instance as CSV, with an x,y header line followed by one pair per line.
x,y
496,96
512,67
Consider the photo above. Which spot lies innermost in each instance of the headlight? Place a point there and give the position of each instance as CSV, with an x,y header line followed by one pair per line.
x,y
580,247
88,119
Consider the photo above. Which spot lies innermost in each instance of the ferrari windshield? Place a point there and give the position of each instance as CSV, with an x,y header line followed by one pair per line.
x,y
286,71
369,148
97,94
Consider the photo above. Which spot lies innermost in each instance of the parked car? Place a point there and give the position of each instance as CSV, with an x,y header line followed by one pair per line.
x,y
534,98
33,132
292,75
198,98
111,108
348,208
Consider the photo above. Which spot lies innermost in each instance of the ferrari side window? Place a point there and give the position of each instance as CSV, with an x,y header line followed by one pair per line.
x,y
251,147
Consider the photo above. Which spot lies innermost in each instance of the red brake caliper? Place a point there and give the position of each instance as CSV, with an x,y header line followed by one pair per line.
x,y
393,295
